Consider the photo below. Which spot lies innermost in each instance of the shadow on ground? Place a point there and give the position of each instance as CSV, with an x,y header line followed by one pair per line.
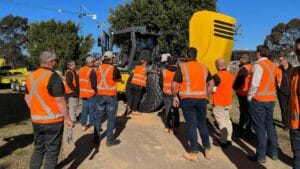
x,y
15,142
13,108
83,148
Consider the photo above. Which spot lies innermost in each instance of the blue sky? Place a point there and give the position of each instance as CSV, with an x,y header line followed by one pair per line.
x,y
256,17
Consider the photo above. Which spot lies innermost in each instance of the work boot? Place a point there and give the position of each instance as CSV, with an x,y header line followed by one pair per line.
x,y
113,142
191,156
208,153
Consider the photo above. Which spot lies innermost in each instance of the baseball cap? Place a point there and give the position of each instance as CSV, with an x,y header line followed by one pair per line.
x,y
89,59
108,55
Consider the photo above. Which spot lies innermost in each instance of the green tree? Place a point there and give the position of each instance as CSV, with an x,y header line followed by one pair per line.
x,y
282,37
12,39
62,38
171,16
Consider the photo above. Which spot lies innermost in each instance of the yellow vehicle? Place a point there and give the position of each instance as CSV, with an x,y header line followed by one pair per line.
x,y
211,33
15,77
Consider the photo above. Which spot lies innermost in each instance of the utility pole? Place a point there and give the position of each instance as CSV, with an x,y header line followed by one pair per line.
x,y
85,12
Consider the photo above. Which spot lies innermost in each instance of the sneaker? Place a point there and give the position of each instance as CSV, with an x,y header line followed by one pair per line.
x,y
254,158
113,142
208,153
191,156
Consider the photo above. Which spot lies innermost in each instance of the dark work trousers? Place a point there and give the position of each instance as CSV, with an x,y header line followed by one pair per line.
x,y
171,112
262,119
136,94
47,141
284,103
194,111
295,144
244,114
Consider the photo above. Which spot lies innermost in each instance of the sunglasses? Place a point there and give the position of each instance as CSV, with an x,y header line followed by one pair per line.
x,y
56,60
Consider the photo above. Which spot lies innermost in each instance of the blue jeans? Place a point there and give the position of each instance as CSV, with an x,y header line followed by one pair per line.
x,y
261,114
109,105
88,108
295,143
194,111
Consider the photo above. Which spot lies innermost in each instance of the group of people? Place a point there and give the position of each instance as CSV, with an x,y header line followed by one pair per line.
x,y
188,85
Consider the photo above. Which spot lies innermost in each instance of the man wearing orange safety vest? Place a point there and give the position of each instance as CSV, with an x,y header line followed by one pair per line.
x,y
45,98
72,89
295,109
107,102
222,101
171,112
138,85
195,84
261,97
87,92
241,86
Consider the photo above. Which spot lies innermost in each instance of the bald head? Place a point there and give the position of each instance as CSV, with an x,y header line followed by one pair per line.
x,y
220,64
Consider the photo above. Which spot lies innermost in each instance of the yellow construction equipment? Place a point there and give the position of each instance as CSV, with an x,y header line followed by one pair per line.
x,y
212,34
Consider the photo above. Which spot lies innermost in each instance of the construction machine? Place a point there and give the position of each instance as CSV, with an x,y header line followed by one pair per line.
x,y
15,77
211,33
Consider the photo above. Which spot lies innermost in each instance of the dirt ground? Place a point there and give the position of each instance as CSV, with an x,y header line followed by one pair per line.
x,y
143,145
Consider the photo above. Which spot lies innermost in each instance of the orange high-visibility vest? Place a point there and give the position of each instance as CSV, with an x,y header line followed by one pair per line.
x,y
167,80
86,90
244,89
294,101
193,83
105,84
266,90
68,90
223,94
139,76
43,107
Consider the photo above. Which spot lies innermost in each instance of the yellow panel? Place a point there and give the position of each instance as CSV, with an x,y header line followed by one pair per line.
x,y
212,34
122,86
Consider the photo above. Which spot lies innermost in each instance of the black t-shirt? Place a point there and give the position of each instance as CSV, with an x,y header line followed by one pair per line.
x,y
178,76
69,81
240,79
116,74
55,85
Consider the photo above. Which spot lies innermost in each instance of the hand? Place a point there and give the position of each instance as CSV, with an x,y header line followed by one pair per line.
x,y
176,101
69,123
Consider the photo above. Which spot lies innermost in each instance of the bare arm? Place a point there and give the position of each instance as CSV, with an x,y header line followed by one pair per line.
x,y
210,86
174,93
26,98
63,109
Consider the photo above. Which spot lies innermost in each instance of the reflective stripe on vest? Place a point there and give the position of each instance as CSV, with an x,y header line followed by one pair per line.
x,y
188,91
167,81
139,77
85,88
34,92
67,88
103,83
294,100
265,91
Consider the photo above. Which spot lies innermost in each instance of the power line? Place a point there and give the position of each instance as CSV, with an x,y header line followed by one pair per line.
x,y
59,10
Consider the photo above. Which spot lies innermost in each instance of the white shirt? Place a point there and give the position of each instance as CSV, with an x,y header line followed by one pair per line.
x,y
256,78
